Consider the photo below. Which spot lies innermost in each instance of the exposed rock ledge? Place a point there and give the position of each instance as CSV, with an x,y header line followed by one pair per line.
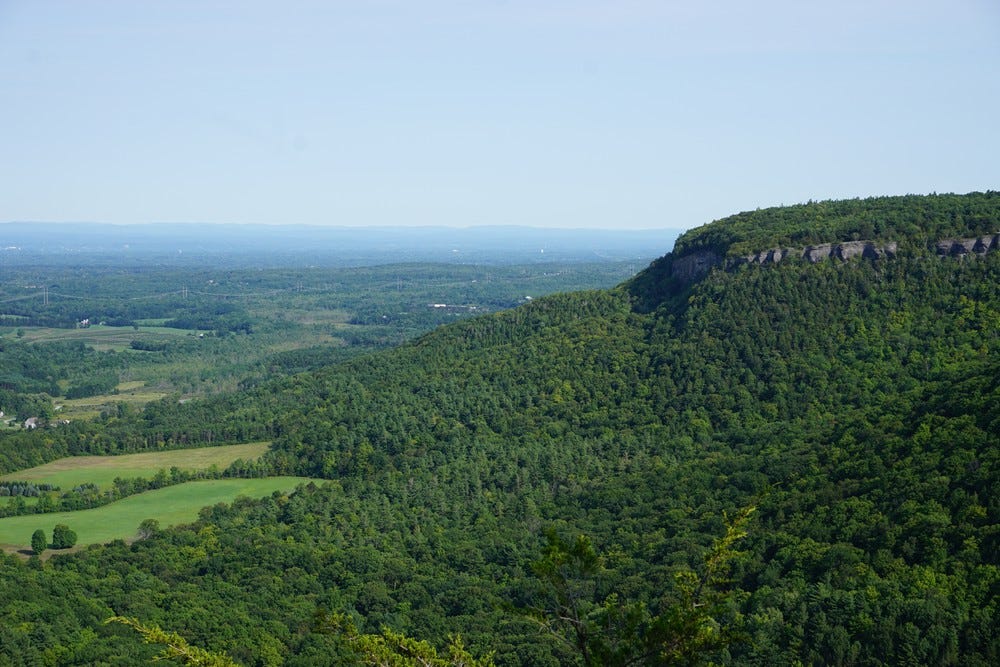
x,y
694,265
816,253
979,245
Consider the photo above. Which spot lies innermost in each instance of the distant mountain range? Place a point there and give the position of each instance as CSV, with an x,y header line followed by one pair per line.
x,y
290,245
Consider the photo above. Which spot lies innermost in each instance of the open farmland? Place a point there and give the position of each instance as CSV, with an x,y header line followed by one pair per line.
x,y
72,471
102,337
170,506
133,393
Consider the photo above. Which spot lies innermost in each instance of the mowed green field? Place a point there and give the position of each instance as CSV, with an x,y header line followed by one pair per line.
x,y
170,506
101,470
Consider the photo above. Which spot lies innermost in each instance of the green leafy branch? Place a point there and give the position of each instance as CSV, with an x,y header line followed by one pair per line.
x,y
175,646
394,649
616,632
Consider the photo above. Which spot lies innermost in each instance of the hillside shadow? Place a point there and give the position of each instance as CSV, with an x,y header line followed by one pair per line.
x,y
656,287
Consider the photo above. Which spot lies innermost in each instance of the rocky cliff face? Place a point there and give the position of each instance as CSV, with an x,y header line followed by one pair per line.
x,y
816,253
694,265
979,245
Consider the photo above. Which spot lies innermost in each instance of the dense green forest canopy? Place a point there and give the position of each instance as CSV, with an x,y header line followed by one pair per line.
x,y
855,405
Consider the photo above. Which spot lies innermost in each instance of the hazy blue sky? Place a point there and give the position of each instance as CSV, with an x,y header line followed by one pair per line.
x,y
578,113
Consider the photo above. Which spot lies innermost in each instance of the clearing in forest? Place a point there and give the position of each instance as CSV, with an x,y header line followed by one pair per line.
x,y
102,470
170,506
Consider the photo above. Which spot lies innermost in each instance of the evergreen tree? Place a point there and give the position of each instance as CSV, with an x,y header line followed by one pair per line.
x,y
38,541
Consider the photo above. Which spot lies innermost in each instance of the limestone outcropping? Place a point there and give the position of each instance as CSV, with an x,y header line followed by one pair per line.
x,y
696,264
979,245
817,253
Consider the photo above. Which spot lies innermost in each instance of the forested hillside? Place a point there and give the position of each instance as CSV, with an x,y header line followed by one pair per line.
x,y
855,405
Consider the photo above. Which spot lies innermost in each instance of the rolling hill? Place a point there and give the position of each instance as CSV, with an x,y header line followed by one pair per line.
x,y
852,399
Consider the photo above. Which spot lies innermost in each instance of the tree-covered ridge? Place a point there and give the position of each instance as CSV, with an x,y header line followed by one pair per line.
x,y
856,405
875,228
916,222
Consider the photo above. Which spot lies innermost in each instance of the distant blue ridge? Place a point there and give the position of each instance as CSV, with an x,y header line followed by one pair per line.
x,y
301,245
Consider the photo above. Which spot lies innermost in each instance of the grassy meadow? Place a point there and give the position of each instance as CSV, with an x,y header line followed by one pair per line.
x,y
170,506
72,471
134,393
